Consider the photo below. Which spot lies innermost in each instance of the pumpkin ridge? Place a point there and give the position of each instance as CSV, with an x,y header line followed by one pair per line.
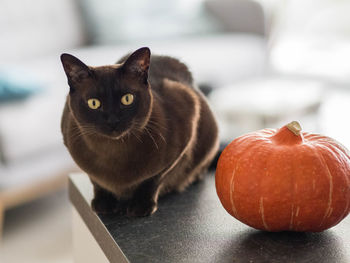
x,y
248,147
220,187
338,148
342,157
343,214
261,208
292,176
291,218
270,155
329,175
232,188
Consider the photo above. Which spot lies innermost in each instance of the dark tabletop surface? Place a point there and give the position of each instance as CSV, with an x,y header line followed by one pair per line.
x,y
194,227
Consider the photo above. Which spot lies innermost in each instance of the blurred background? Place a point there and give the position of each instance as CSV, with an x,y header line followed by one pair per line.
x,y
262,64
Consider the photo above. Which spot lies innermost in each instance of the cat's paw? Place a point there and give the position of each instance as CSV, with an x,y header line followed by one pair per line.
x,y
105,206
141,208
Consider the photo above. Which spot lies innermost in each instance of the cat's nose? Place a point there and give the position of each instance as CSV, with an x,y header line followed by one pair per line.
x,y
113,121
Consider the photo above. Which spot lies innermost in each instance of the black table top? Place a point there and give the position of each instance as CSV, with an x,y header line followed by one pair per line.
x,y
194,227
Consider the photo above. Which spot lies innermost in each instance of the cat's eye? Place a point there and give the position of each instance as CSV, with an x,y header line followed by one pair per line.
x,y
94,104
127,99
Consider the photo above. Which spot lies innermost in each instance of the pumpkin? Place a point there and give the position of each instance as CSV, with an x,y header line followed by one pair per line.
x,y
285,180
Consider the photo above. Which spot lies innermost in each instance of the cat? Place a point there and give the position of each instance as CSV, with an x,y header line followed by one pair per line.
x,y
139,129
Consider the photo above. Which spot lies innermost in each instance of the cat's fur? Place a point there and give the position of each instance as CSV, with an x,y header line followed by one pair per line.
x,y
133,154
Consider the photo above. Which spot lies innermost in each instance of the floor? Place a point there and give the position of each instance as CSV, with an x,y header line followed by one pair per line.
x,y
38,232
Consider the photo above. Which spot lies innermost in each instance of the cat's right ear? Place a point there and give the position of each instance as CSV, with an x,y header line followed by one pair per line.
x,y
76,70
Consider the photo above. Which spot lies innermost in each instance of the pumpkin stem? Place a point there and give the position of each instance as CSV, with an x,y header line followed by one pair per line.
x,y
289,134
294,127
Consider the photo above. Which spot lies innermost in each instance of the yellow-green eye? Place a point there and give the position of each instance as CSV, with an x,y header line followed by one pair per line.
x,y
127,99
94,104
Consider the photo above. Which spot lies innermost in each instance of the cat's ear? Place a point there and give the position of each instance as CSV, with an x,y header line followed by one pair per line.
x,y
138,62
76,70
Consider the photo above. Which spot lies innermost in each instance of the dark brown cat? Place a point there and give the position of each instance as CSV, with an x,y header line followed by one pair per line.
x,y
138,128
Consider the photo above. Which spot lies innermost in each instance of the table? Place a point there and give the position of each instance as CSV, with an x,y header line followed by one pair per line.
x,y
193,227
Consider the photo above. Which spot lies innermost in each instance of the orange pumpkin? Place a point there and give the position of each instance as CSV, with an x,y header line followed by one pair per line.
x,y
285,180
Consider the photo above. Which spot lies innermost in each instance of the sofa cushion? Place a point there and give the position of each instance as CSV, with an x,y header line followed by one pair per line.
x,y
16,85
29,29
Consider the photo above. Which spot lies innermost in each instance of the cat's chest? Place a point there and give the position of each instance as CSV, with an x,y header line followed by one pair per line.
x,y
123,163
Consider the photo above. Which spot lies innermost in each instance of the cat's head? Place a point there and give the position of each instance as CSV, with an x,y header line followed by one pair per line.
x,y
110,100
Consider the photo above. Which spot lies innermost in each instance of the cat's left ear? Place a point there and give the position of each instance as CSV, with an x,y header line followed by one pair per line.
x,y
138,62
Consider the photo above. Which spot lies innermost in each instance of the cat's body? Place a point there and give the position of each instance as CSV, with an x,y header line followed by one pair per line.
x,y
164,149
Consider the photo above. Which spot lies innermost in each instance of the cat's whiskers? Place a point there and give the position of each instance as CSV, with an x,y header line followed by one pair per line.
x,y
152,127
80,131
121,137
161,136
136,128
151,136
75,139
76,133
157,124
136,136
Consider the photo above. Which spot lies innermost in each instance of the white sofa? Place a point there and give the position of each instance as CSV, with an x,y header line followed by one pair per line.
x,y
30,140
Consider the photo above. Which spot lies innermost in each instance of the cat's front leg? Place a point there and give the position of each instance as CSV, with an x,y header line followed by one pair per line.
x,y
105,202
145,198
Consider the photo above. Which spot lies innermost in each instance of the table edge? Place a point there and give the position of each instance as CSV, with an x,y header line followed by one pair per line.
x,y
104,239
